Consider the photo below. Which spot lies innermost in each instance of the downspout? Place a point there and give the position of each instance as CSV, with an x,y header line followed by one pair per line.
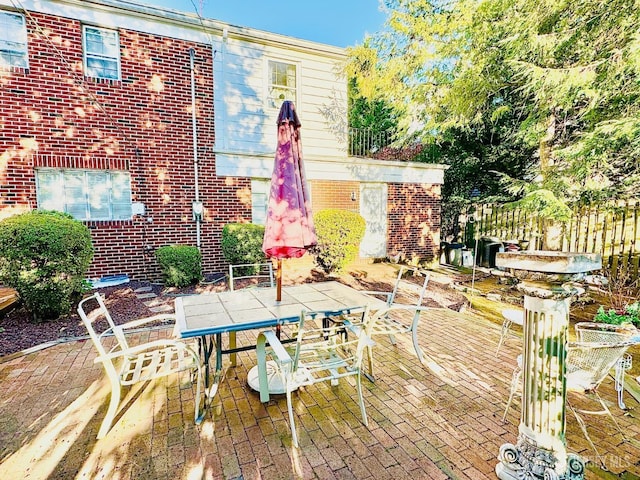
x,y
223,87
197,207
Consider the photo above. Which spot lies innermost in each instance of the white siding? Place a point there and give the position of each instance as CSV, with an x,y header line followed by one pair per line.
x,y
244,121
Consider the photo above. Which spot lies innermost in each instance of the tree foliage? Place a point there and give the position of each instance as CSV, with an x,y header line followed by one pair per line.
x,y
545,91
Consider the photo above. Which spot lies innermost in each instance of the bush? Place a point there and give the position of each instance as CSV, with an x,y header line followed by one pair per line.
x,y
45,255
339,235
181,265
242,243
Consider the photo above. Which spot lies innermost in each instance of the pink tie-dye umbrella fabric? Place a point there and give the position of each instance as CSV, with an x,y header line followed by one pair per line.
x,y
289,229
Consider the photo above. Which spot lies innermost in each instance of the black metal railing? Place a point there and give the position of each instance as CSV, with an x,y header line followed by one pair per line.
x,y
366,142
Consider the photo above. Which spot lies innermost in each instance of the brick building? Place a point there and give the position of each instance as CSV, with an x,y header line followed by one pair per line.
x,y
127,116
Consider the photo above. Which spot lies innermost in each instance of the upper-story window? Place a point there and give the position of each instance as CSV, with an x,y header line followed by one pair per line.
x,y
101,53
85,194
282,83
13,40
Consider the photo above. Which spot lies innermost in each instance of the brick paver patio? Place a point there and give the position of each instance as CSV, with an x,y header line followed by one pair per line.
x,y
437,421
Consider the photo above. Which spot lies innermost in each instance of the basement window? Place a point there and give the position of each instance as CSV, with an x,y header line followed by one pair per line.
x,y
85,194
259,200
101,53
13,41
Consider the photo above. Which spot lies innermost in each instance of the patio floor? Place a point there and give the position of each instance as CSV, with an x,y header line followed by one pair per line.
x,y
438,421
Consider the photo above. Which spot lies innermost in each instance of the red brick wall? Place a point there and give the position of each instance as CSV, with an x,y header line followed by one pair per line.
x,y
413,214
52,116
334,194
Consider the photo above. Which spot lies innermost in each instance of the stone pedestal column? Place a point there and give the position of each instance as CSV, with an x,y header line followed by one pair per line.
x,y
540,451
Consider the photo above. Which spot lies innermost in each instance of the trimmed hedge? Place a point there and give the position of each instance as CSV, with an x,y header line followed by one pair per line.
x,y
339,235
242,243
181,265
45,255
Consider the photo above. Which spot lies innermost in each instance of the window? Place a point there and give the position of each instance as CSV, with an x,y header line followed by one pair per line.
x,y
85,194
13,40
282,83
259,201
101,53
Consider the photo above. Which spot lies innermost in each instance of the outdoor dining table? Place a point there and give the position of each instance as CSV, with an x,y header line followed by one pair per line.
x,y
210,315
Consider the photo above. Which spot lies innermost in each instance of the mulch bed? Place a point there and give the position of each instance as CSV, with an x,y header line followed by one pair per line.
x,y
18,332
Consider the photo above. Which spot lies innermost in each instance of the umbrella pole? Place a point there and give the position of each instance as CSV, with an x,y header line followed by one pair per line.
x,y
279,281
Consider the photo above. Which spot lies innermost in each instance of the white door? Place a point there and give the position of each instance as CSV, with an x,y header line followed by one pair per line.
x,y
373,208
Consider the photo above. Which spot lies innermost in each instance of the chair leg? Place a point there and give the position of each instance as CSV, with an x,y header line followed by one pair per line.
x,y
197,417
365,420
232,344
506,326
606,410
515,380
583,427
112,410
622,365
414,336
292,424
370,361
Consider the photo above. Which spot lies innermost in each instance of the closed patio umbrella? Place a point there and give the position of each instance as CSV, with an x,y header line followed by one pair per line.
x,y
289,229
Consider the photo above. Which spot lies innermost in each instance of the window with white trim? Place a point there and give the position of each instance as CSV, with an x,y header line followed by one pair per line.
x,y
101,53
259,200
13,40
282,83
85,194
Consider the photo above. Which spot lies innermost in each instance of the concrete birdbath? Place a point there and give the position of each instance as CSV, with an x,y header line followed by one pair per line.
x,y
540,451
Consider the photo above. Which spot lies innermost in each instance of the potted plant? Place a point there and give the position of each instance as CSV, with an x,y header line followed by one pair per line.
x,y
630,313
623,305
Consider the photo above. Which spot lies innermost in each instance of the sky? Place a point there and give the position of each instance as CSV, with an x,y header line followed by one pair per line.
x,y
341,23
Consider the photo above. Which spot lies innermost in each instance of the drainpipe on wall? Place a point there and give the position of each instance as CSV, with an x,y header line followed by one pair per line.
x,y
223,88
197,204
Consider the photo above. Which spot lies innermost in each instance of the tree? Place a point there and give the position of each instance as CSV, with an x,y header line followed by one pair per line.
x,y
545,92
374,121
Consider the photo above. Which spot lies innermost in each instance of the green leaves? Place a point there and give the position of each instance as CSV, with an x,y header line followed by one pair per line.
x,y
630,314
44,255
541,89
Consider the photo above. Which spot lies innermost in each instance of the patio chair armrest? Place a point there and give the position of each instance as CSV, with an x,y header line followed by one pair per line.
x,y
269,337
154,345
163,317
373,292
404,306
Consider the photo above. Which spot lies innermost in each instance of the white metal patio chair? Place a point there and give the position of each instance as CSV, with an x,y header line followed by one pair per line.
x,y
602,332
587,365
251,275
319,354
405,293
248,275
127,365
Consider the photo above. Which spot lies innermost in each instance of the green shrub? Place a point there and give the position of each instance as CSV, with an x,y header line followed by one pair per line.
x,y
45,255
339,235
181,265
242,243
629,314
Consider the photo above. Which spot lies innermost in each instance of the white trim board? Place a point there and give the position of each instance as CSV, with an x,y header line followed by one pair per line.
x,y
166,22
344,169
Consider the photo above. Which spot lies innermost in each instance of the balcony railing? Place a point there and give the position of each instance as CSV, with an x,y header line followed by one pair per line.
x,y
365,142
368,143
